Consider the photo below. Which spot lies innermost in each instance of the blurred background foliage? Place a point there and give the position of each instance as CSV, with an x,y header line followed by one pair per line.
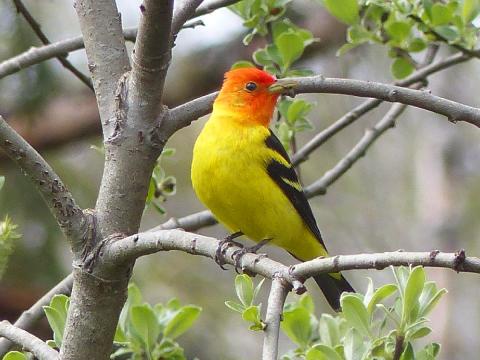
x,y
418,188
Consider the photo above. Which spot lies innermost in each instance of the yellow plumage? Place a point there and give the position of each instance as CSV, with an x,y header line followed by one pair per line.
x,y
241,172
229,176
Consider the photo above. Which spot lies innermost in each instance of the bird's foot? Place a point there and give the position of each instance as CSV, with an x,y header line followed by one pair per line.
x,y
223,245
238,254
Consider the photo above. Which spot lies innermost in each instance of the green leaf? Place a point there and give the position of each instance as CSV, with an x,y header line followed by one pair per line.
x,y
419,333
306,302
416,45
344,10
56,314
296,325
322,352
182,321
470,9
298,109
355,313
134,298
401,68
413,290
251,314
2,182
15,355
244,289
242,64
257,288
145,323
408,353
427,306
235,306
448,32
354,345
441,14
429,352
399,30
379,295
329,330
290,47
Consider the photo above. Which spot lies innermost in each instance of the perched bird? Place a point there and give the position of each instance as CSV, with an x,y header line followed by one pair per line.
x,y
242,173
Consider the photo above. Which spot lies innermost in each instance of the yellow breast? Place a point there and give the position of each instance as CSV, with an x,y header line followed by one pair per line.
x,y
229,177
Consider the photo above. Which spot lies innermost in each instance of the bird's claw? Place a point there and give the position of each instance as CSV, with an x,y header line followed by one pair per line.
x,y
223,245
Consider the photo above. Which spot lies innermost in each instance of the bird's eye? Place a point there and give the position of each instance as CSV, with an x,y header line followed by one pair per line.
x,y
250,86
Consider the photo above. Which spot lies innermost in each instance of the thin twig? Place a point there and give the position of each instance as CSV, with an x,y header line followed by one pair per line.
x,y
74,223
27,341
29,318
453,110
276,300
418,76
43,38
357,152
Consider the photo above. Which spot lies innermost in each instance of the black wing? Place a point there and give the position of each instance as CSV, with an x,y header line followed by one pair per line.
x,y
286,178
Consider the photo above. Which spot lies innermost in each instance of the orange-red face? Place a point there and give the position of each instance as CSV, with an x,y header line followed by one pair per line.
x,y
245,91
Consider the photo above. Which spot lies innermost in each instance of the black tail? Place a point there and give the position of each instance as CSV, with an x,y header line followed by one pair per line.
x,y
332,288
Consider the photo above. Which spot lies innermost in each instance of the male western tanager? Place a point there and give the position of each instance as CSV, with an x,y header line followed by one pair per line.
x,y
242,173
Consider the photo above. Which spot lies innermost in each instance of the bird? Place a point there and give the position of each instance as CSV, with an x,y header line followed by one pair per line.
x,y
243,174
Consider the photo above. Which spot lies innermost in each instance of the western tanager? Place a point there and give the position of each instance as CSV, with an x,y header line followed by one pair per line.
x,y
242,173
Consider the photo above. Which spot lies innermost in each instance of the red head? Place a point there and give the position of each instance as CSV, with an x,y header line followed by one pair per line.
x,y
245,96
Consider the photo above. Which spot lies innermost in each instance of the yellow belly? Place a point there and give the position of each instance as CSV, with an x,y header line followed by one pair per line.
x,y
229,177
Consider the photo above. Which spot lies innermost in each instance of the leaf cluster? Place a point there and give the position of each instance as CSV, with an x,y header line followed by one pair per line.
x,y
8,235
247,295
161,185
371,325
406,27
143,332
286,45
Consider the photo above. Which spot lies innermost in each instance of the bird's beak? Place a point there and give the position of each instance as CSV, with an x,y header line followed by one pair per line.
x,y
283,86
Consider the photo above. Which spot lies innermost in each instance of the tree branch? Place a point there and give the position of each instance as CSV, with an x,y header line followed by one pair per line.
x,y
184,114
358,151
27,341
276,300
185,11
106,53
151,57
141,244
29,318
73,222
43,38
422,99
418,76
36,55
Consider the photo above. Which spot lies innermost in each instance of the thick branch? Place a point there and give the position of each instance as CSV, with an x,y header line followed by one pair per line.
x,y
151,58
106,53
357,152
27,341
43,38
141,244
29,318
61,48
73,222
276,300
